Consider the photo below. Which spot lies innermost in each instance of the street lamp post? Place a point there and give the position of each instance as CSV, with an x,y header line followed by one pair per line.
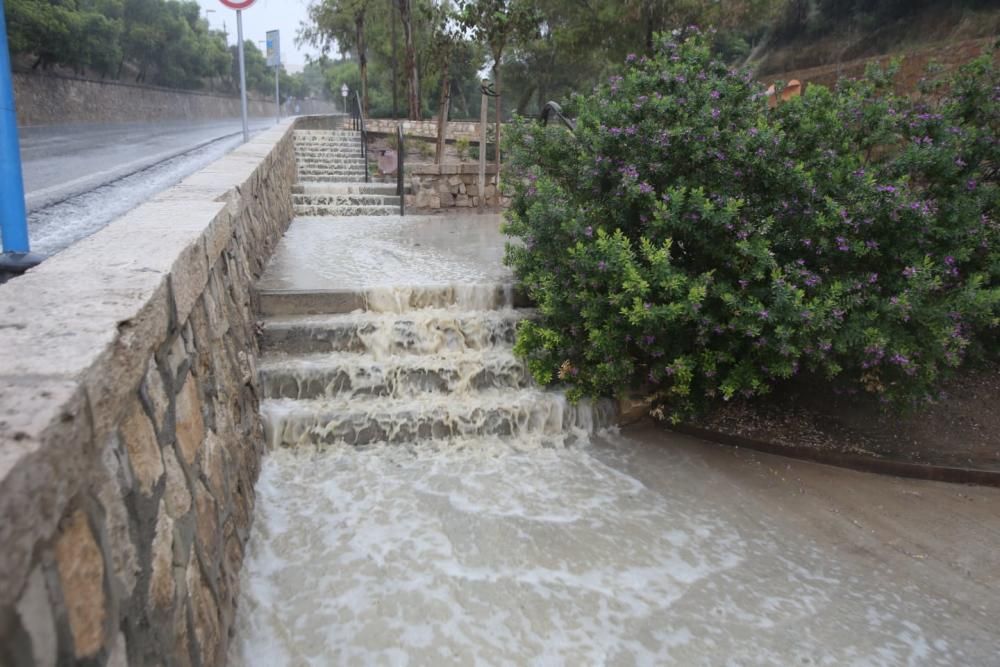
x,y
343,93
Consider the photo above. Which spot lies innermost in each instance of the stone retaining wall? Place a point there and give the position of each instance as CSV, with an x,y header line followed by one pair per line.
x,y
44,99
451,186
130,439
468,129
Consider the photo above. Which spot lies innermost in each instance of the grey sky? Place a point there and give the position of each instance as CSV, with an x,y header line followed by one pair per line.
x,y
264,15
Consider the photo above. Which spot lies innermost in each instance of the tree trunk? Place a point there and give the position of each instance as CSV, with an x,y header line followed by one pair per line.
x,y
525,99
443,110
499,111
395,60
359,24
412,77
465,102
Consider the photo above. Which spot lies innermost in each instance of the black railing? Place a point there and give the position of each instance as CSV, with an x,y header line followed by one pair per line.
x,y
553,109
358,125
400,175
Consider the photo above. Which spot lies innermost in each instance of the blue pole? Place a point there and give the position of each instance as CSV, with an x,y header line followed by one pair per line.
x,y
13,218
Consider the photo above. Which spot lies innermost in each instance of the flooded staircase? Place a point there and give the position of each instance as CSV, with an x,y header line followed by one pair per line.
x,y
331,175
409,365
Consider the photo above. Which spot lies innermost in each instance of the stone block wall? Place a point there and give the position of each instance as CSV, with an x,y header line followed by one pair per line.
x,y
46,99
130,439
447,186
468,129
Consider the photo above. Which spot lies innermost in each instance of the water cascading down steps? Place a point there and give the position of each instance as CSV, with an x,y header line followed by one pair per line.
x,y
331,175
398,372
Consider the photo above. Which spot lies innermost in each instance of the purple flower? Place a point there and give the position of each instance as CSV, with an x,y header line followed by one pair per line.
x,y
630,58
602,265
872,278
909,272
715,113
971,185
588,232
645,188
714,94
764,314
744,283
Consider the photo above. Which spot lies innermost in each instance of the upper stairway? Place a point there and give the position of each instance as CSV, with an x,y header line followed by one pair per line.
x,y
331,177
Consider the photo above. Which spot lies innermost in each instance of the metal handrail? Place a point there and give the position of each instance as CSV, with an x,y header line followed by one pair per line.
x,y
551,108
400,158
359,124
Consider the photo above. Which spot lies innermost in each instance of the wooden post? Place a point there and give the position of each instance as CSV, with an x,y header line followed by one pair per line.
x,y
483,115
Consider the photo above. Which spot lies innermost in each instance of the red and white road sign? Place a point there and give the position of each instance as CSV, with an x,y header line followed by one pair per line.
x,y
237,4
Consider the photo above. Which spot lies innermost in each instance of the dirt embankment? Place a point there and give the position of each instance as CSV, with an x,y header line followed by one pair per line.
x,y
913,67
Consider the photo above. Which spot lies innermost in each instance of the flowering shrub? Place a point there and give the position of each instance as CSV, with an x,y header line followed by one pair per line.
x,y
689,241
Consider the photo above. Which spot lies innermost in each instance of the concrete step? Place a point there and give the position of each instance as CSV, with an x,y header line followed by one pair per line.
x,y
392,334
325,135
321,178
278,302
345,200
331,163
504,414
345,189
328,147
319,149
306,211
321,144
345,374
330,174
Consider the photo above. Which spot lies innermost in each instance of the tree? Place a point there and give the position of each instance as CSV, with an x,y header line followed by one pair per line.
x,y
341,23
445,36
498,23
412,76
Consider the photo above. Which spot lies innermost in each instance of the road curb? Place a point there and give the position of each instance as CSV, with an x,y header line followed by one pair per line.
x,y
950,474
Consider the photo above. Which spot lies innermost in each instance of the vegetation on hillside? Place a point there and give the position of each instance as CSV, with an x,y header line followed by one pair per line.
x,y
552,48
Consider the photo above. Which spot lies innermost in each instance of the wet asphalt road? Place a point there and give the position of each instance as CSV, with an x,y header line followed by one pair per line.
x,y
61,161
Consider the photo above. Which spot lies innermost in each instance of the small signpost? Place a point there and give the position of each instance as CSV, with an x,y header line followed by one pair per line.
x,y
274,60
239,6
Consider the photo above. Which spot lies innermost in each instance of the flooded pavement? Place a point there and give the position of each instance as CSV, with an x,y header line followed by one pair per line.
x,y
424,504
635,548
366,252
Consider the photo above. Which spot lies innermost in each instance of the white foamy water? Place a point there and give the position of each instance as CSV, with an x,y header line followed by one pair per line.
x,y
371,252
482,551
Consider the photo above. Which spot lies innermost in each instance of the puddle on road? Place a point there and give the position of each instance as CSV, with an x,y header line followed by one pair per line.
x,y
491,552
